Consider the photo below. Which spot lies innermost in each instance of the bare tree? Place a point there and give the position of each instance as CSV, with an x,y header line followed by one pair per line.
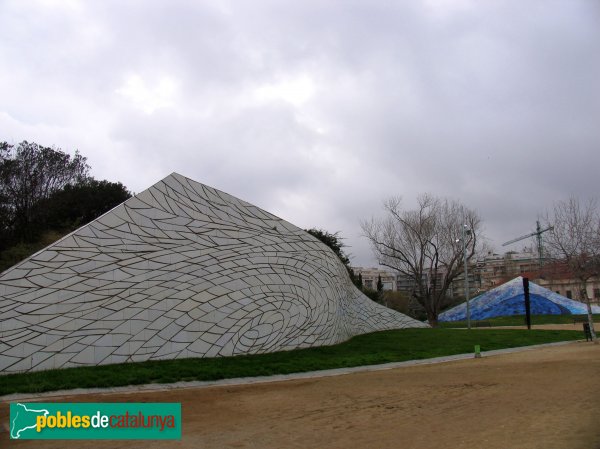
x,y
424,245
575,241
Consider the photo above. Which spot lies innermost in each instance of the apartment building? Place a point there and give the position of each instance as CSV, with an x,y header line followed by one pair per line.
x,y
496,269
370,277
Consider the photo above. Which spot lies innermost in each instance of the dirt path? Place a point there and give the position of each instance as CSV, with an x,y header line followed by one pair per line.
x,y
547,398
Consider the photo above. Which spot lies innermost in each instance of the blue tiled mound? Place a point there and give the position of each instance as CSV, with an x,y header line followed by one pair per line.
x,y
508,299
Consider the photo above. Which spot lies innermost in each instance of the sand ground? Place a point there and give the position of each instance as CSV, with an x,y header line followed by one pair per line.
x,y
544,398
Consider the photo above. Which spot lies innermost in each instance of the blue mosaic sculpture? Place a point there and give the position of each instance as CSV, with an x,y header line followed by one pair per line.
x,y
508,299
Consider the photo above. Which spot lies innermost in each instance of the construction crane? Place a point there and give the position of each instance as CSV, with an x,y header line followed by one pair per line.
x,y
538,235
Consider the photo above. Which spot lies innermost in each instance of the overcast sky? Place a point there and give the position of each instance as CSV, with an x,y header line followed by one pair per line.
x,y
317,111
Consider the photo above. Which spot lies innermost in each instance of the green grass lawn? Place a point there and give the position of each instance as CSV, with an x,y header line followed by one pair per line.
x,y
379,347
519,320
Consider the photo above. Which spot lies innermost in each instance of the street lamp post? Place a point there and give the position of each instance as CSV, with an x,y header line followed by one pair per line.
x,y
465,232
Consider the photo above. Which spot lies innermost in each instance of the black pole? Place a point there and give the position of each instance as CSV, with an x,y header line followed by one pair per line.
x,y
527,304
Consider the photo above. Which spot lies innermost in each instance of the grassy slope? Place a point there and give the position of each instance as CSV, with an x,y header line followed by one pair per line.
x,y
519,320
380,347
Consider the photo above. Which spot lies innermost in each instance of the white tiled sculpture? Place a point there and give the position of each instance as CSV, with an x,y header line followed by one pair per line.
x,y
180,270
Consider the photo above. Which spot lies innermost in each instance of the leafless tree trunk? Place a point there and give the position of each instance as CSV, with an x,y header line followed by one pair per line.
x,y
575,241
424,245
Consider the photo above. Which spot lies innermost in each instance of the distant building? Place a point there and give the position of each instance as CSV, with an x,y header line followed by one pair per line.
x,y
407,284
559,278
370,277
457,287
496,269
488,273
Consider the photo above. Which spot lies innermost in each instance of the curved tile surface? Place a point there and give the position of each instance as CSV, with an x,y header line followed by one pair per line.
x,y
180,270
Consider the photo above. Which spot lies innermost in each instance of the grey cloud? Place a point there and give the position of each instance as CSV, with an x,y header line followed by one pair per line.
x,y
493,103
